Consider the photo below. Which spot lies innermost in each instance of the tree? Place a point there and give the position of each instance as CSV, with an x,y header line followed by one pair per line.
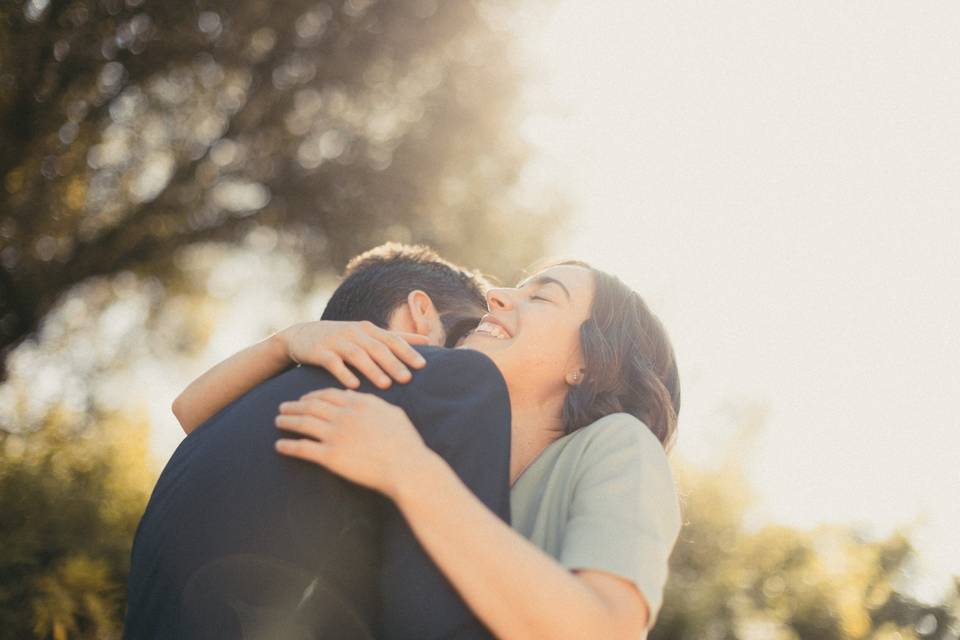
x,y
729,582
139,138
71,502
129,129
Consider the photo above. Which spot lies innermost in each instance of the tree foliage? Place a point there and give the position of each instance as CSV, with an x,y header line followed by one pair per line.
x,y
131,128
141,141
70,502
729,581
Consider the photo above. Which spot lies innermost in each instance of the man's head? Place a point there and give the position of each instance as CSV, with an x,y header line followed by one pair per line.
x,y
410,288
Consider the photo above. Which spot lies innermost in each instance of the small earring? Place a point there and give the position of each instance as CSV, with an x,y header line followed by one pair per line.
x,y
576,376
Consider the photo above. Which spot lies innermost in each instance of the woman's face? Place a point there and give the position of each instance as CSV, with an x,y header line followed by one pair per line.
x,y
532,331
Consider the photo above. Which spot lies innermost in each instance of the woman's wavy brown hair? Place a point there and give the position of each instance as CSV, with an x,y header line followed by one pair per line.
x,y
629,364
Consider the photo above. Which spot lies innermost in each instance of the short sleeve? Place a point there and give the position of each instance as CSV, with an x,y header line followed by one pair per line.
x,y
624,516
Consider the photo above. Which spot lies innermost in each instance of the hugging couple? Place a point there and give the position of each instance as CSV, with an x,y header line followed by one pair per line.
x,y
434,458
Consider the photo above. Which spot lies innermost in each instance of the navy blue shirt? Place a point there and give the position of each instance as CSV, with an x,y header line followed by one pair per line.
x,y
238,541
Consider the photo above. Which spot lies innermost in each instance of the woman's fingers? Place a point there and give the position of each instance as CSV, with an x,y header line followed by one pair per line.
x,y
411,338
386,359
330,395
399,343
325,406
361,360
305,425
337,368
358,436
375,353
309,450
392,349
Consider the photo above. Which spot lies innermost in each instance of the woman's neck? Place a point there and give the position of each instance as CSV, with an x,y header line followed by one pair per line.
x,y
534,425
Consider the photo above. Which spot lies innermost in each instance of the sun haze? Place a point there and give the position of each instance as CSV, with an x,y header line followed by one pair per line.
x,y
780,181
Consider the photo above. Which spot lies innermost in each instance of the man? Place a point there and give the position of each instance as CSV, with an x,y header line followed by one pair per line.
x,y
238,541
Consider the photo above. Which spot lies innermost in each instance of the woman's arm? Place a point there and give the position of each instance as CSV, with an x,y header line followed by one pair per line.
x,y
517,590
225,382
330,344
514,587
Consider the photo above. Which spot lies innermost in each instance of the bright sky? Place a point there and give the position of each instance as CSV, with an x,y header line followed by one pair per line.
x,y
781,181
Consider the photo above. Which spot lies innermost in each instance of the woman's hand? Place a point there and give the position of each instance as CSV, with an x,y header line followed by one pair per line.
x,y
357,436
377,353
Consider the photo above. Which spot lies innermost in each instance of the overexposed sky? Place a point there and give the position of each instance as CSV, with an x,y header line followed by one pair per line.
x,y
781,181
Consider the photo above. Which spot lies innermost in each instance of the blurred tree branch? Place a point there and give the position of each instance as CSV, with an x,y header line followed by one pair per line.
x,y
730,581
342,123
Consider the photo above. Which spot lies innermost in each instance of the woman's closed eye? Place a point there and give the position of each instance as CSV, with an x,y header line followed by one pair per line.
x,y
539,298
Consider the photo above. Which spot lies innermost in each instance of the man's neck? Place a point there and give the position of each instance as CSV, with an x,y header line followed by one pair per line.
x,y
534,425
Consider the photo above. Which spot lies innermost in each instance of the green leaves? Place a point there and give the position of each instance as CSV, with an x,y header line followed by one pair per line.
x,y
732,581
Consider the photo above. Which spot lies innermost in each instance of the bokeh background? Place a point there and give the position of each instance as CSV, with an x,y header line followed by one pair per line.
x,y
780,180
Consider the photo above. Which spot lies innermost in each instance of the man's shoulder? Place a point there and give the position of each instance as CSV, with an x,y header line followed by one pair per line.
x,y
462,357
286,385
459,394
455,367
452,374
304,373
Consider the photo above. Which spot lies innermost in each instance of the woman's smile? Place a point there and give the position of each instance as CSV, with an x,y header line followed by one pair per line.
x,y
492,327
532,331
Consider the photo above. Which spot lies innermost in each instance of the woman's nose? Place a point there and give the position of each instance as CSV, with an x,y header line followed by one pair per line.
x,y
498,299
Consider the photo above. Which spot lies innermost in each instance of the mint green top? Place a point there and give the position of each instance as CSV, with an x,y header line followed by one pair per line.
x,y
603,498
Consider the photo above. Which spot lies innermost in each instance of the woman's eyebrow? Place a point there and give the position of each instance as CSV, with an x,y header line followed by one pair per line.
x,y
544,281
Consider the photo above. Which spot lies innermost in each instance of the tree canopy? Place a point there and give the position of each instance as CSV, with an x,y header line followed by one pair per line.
x,y
130,129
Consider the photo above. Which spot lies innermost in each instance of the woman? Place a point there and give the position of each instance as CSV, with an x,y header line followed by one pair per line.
x,y
594,391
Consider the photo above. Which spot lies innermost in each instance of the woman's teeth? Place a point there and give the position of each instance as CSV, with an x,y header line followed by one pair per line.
x,y
491,329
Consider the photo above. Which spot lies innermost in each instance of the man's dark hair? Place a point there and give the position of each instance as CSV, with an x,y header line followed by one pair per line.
x,y
377,281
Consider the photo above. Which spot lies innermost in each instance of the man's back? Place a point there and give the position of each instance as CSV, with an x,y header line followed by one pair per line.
x,y
238,541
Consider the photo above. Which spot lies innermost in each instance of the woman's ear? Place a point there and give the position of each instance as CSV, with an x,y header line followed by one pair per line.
x,y
425,317
574,378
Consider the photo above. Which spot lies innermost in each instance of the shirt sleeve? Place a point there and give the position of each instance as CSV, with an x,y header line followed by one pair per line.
x,y
624,516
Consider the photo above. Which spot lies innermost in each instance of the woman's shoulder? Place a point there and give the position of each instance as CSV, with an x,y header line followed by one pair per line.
x,y
621,458
618,430
620,445
615,444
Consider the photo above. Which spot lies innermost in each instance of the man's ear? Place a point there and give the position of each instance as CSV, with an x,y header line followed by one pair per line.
x,y
400,319
424,316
